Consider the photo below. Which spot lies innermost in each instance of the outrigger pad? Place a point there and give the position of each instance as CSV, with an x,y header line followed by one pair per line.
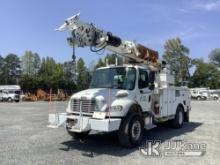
x,y
56,120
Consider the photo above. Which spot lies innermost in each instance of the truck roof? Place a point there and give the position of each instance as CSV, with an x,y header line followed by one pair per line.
x,y
10,87
125,65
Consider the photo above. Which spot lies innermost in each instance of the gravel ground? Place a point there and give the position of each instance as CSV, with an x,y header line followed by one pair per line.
x,y
25,139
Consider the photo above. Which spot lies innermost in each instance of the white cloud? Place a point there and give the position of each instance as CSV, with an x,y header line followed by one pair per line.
x,y
208,6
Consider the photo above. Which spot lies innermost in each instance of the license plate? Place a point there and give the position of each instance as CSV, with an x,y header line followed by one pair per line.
x,y
99,115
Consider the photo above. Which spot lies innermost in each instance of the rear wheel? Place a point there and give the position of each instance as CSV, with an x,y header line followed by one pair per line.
x,y
205,98
177,122
130,133
215,98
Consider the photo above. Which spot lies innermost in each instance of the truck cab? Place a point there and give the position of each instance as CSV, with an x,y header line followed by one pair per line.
x,y
126,99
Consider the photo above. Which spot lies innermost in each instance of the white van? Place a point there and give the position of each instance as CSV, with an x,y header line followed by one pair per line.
x,y
10,93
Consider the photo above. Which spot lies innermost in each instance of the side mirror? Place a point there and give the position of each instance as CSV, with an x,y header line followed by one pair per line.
x,y
151,80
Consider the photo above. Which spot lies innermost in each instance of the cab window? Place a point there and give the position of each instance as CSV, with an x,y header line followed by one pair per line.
x,y
177,93
143,79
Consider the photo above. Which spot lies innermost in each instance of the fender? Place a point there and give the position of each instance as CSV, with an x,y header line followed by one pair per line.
x,y
126,104
182,106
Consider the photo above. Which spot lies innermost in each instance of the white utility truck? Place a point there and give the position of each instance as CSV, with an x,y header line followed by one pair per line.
x,y
10,93
123,98
204,94
199,93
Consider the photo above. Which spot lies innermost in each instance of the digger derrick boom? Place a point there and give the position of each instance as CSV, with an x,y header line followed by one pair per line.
x,y
88,35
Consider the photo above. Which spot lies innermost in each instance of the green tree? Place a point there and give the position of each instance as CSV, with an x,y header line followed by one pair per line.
x,y
1,69
28,83
205,75
177,55
49,74
110,59
100,63
69,76
11,70
68,71
214,57
83,77
30,63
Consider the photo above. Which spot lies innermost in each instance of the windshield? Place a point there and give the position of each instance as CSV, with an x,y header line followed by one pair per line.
x,y
18,92
116,78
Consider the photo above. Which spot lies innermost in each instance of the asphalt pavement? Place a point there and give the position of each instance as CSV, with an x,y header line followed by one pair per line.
x,y
25,139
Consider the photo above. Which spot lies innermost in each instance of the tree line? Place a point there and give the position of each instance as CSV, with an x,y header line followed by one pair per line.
x,y
32,72
203,74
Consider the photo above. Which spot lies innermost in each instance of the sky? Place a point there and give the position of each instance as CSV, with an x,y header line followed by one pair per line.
x,y
29,25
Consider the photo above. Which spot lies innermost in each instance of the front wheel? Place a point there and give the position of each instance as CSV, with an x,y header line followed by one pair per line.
x,y
130,133
10,99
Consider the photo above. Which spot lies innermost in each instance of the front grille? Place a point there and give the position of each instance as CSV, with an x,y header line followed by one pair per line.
x,y
16,96
88,106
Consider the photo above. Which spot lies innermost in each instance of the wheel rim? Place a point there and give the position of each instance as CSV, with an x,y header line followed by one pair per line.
x,y
180,117
136,130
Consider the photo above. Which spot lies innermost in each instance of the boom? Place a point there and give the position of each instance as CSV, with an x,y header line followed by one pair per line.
x,y
87,34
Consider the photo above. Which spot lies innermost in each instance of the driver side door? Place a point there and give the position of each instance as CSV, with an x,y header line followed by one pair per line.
x,y
144,91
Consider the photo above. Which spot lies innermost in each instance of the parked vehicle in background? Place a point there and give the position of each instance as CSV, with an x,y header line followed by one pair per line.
x,y
214,96
204,94
199,93
10,93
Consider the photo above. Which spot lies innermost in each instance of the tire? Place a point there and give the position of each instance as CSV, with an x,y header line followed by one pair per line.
x,y
198,98
205,98
216,98
177,122
76,135
186,116
9,99
131,130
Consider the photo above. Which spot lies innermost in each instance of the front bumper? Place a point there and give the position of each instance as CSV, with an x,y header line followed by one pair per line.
x,y
83,124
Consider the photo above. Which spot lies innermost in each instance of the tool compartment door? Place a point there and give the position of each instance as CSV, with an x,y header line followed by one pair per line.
x,y
171,101
163,103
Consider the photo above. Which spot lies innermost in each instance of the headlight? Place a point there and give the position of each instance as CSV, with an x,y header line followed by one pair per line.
x,y
116,108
